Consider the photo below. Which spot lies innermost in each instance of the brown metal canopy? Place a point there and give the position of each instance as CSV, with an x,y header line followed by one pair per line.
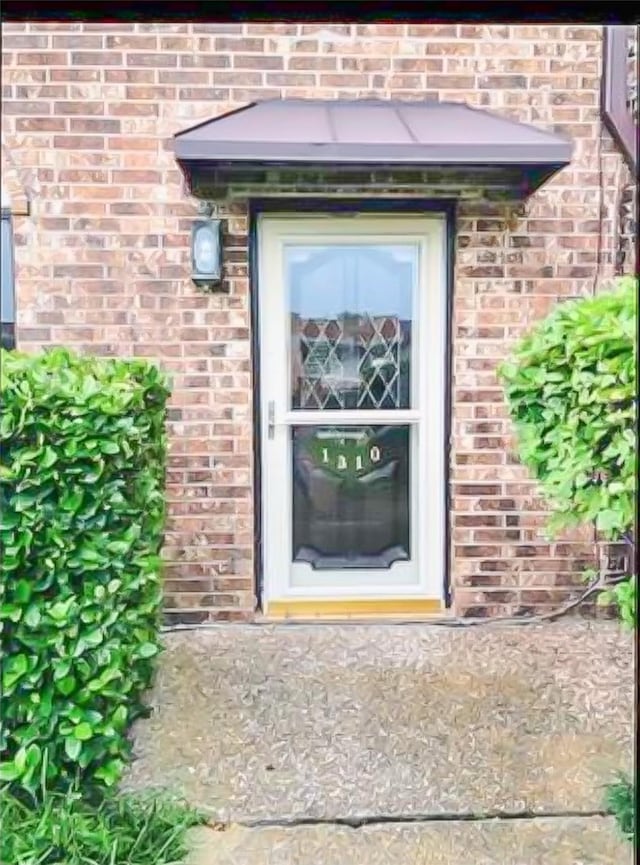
x,y
369,133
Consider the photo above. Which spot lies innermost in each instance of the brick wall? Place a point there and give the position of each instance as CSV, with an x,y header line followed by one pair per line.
x,y
88,113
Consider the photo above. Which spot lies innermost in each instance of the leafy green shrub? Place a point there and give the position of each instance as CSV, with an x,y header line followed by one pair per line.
x,y
571,389
621,802
119,830
625,597
81,523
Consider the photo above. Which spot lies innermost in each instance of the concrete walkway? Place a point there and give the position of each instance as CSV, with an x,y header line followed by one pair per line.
x,y
542,841
376,722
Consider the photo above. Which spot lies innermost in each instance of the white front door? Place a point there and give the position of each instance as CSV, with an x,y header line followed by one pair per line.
x,y
352,351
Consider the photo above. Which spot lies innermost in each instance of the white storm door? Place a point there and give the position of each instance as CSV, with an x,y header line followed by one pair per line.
x,y
352,352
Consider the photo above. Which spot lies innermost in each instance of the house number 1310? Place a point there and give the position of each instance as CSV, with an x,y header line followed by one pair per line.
x,y
341,462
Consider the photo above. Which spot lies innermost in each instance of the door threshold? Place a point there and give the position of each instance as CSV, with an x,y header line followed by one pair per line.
x,y
365,609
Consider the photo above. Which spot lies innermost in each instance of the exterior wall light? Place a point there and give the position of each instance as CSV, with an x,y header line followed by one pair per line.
x,y
206,253
7,281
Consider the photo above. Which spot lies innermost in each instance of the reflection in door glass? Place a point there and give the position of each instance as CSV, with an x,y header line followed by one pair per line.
x,y
351,321
350,496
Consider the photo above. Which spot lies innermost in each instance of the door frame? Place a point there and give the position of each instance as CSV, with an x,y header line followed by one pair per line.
x,y
335,206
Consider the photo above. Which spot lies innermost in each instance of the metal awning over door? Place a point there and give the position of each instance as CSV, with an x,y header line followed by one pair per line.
x,y
371,133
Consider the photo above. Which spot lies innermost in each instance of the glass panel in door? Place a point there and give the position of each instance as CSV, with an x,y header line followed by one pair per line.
x,y
351,315
351,325
351,504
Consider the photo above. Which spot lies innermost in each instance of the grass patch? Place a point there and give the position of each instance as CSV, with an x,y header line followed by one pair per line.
x,y
68,829
620,801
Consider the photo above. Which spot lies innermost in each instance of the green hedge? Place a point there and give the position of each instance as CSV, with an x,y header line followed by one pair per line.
x,y
572,394
82,515
571,389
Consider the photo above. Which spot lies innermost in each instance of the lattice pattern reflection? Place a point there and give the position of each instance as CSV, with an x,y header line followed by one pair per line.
x,y
350,362
632,72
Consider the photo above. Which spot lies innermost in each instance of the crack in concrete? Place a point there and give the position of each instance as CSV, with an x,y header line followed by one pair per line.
x,y
377,819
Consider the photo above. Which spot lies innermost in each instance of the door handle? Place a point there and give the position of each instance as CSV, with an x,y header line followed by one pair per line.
x,y
271,419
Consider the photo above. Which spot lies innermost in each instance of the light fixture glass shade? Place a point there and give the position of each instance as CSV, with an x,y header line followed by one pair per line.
x,y
205,250
7,284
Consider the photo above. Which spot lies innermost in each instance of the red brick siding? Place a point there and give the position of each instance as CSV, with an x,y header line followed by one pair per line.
x,y
89,110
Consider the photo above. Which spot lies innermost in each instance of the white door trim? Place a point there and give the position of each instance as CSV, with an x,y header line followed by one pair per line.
x,y
426,416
